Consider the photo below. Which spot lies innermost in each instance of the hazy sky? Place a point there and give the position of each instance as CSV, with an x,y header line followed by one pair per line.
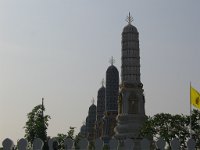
x,y
60,50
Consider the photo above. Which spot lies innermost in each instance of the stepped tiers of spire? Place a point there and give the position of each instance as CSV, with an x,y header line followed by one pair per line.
x,y
100,111
101,102
112,88
131,110
90,122
130,68
126,104
83,131
111,111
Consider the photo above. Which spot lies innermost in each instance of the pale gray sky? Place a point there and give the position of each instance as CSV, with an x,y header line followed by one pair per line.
x,y
60,50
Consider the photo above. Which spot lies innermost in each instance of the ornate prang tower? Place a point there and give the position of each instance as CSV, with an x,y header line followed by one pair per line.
x,y
100,111
83,132
131,111
111,106
90,122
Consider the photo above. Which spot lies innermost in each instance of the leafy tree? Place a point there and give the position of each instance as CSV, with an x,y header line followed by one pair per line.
x,y
61,137
166,126
77,139
195,119
70,133
170,126
36,126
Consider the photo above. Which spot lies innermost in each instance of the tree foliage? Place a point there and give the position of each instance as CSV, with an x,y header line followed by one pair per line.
x,y
170,126
61,137
70,133
36,126
195,126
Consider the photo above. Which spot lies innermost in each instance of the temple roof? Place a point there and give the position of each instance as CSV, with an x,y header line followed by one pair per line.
x,y
129,28
92,109
101,90
112,69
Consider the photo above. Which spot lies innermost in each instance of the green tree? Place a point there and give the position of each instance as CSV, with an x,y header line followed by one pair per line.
x,y
36,126
166,126
195,127
77,139
170,126
61,137
70,133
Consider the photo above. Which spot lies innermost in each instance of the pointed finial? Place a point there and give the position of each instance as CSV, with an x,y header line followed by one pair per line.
x,y
93,101
103,82
112,61
129,18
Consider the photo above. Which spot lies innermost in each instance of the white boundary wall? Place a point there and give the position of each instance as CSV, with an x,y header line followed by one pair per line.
x,y
83,144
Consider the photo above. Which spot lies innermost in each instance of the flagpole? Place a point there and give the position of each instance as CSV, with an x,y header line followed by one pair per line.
x,y
190,114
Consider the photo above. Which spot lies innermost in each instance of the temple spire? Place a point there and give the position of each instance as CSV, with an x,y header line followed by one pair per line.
x,y
129,18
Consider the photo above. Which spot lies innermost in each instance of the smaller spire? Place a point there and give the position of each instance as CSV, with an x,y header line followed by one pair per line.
x,y
112,61
129,18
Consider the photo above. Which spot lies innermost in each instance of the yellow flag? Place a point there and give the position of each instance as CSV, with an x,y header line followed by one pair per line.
x,y
194,97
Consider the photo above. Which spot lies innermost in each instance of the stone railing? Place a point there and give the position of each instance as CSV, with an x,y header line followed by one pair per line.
x,y
83,144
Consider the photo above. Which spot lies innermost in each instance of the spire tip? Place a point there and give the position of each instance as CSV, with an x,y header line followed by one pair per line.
x,y
129,18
